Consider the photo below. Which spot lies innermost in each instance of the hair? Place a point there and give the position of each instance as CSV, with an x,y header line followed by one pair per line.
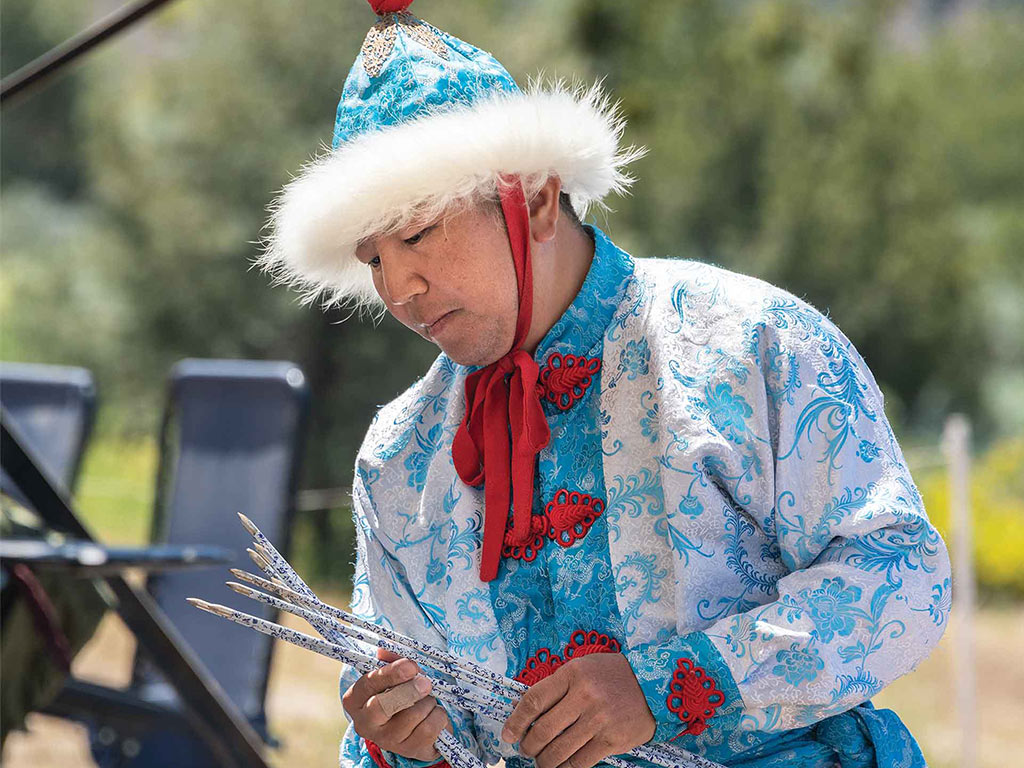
x,y
565,205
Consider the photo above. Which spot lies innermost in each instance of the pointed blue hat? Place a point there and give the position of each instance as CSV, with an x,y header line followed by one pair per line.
x,y
426,121
405,69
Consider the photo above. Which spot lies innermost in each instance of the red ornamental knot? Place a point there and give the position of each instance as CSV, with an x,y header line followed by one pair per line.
x,y
528,549
581,643
570,515
539,666
566,519
564,378
693,696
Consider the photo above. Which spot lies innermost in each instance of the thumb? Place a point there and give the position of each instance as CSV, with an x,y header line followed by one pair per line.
x,y
387,655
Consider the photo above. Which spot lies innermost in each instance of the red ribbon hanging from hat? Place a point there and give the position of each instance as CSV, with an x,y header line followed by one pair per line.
x,y
504,427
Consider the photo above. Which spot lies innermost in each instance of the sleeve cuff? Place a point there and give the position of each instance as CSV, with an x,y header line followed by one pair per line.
x,y
688,687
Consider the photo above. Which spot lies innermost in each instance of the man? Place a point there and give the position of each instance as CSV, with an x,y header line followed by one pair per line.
x,y
663,495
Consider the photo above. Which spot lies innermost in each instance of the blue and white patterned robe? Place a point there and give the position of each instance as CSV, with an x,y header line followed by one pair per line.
x,y
759,520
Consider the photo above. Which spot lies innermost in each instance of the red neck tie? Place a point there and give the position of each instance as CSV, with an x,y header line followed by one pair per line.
x,y
504,427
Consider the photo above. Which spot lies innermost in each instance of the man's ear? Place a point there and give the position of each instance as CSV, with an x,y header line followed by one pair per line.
x,y
544,210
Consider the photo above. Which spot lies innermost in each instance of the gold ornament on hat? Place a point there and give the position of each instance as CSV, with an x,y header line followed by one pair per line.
x,y
380,40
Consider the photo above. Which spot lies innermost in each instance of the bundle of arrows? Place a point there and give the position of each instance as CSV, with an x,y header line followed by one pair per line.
x,y
456,682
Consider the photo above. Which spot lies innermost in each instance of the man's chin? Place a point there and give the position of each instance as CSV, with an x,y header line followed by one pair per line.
x,y
462,356
467,360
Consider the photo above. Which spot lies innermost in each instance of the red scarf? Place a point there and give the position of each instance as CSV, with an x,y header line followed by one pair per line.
x,y
504,427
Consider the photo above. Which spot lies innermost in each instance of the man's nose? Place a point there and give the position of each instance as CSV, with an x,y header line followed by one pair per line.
x,y
402,280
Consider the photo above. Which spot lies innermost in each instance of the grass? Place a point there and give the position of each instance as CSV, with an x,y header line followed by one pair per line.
x,y
115,494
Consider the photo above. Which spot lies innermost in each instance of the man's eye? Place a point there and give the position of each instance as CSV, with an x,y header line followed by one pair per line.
x,y
374,262
417,237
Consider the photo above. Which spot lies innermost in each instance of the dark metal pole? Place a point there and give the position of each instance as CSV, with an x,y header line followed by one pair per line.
x,y
51,62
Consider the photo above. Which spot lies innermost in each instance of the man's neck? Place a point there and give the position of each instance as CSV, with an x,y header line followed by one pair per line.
x,y
559,269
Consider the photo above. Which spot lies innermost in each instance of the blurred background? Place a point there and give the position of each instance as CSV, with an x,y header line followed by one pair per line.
x,y
866,156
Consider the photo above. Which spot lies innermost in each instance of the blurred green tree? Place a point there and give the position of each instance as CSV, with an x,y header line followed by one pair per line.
x,y
38,140
801,142
797,142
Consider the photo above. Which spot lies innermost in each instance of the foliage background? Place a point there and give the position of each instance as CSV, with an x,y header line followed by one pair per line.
x,y
865,156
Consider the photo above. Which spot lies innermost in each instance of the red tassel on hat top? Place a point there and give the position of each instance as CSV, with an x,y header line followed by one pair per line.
x,y
380,7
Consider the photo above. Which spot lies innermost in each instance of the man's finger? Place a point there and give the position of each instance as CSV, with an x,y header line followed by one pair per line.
x,y
399,697
401,726
425,733
564,746
589,755
372,683
549,726
534,703
387,655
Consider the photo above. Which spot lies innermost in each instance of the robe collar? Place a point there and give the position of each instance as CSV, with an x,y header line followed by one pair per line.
x,y
583,324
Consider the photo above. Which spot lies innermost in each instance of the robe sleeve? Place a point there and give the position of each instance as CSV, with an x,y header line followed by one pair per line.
x,y
381,593
864,590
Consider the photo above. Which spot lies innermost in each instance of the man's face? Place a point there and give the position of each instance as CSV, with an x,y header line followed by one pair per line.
x,y
452,282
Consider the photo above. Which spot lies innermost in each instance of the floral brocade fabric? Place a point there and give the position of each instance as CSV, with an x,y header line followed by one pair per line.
x,y
400,51
760,553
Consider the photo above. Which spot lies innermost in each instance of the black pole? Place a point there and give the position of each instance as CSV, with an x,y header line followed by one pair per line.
x,y
54,60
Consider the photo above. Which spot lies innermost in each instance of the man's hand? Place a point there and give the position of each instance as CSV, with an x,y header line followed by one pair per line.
x,y
587,709
410,732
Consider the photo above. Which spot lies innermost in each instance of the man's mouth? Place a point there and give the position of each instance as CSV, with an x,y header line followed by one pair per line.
x,y
438,323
